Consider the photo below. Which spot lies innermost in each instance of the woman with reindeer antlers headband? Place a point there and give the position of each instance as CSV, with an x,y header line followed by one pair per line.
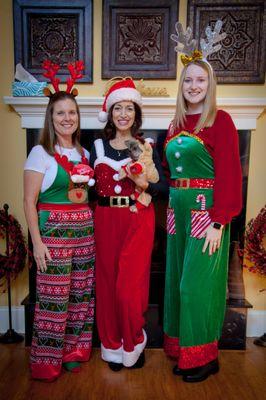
x,y
56,179
202,154
124,226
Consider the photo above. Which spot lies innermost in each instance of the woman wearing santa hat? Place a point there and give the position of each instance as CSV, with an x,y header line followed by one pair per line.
x,y
124,239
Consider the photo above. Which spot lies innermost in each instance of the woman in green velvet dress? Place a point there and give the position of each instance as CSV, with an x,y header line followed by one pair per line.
x,y
201,151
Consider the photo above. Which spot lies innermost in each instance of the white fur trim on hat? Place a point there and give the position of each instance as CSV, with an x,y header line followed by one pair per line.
x,y
80,178
123,94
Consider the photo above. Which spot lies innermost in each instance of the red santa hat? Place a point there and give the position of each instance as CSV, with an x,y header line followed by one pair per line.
x,y
124,90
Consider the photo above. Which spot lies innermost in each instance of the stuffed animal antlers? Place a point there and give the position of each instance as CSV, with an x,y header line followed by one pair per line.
x,y
51,69
187,46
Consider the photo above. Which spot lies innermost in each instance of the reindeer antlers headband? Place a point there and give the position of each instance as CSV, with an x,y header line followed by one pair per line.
x,y
187,45
51,68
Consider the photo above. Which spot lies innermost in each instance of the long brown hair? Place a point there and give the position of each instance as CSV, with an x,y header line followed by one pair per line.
x,y
48,137
109,130
209,106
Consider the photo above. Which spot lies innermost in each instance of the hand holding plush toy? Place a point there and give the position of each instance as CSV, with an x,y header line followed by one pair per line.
x,y
142,162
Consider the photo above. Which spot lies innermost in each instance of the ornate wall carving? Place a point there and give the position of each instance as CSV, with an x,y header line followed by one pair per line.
x,y
58,31
242,56
136,38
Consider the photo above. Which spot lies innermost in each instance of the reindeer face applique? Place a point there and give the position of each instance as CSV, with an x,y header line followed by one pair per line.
x,y
81,176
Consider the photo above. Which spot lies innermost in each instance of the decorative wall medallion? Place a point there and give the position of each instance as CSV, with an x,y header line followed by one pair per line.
x,y
59,31
136,38
242,56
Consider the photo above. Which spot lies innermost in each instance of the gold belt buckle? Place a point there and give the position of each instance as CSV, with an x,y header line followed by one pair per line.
x,y
184,183
118,200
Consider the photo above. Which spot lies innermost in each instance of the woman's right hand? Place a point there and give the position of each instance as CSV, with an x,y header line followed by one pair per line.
x,y
41,254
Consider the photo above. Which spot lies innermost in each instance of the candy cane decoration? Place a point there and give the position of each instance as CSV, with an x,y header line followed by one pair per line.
x,y
201,199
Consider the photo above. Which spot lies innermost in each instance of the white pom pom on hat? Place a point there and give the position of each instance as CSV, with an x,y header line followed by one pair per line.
x,y
103,116
91,182
124,90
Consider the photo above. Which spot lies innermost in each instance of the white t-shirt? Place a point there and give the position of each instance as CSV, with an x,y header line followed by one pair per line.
x,y
40,161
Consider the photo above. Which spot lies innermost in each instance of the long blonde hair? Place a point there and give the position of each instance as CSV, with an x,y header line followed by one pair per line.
x,y
209,106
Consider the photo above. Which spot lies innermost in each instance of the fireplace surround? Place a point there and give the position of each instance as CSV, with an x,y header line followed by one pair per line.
x,y
157,115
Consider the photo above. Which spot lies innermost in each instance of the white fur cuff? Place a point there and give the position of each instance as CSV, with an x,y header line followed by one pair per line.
x,y
111,355
131,357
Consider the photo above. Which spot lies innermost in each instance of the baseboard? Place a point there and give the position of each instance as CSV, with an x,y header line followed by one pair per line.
x,y
18,322
256,321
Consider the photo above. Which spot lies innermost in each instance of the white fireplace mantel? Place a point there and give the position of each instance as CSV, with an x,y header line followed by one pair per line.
x,y
157,111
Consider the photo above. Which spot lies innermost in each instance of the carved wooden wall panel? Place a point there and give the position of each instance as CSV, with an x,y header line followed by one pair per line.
x,y
242,56
57,30
136,38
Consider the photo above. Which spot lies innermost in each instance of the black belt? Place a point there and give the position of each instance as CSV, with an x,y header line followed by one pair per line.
x,y
115,201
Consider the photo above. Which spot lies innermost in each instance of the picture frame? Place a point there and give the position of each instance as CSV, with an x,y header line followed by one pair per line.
x,y
60,31
241,60
136,38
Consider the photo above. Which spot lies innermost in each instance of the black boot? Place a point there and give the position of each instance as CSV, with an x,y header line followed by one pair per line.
x,y
201,373
140,361
181,372
115,366
177,371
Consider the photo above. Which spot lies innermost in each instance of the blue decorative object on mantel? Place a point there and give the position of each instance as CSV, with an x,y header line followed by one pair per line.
x,y
25,89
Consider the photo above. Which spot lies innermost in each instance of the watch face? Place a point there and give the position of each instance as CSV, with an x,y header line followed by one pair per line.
x,y
217,225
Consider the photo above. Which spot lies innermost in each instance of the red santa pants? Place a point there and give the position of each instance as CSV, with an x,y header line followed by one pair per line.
x,y
124,242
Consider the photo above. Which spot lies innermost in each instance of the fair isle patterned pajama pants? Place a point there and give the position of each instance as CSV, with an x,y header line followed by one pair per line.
x,y
64,309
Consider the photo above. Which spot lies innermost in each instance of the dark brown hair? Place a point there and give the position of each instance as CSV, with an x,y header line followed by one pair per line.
x,y
48,137
109,130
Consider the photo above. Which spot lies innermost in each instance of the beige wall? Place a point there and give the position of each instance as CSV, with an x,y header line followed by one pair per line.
x,y
13,138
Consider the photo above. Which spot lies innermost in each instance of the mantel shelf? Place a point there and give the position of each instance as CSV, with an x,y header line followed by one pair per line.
x,y
157,111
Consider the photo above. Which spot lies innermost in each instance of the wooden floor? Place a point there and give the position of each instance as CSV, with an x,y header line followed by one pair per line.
x,y
242,377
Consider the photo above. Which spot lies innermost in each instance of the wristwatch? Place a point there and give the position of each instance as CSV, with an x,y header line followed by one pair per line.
x,y
217,225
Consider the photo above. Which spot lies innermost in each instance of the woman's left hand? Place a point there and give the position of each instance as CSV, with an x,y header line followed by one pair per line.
x,y
213,240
